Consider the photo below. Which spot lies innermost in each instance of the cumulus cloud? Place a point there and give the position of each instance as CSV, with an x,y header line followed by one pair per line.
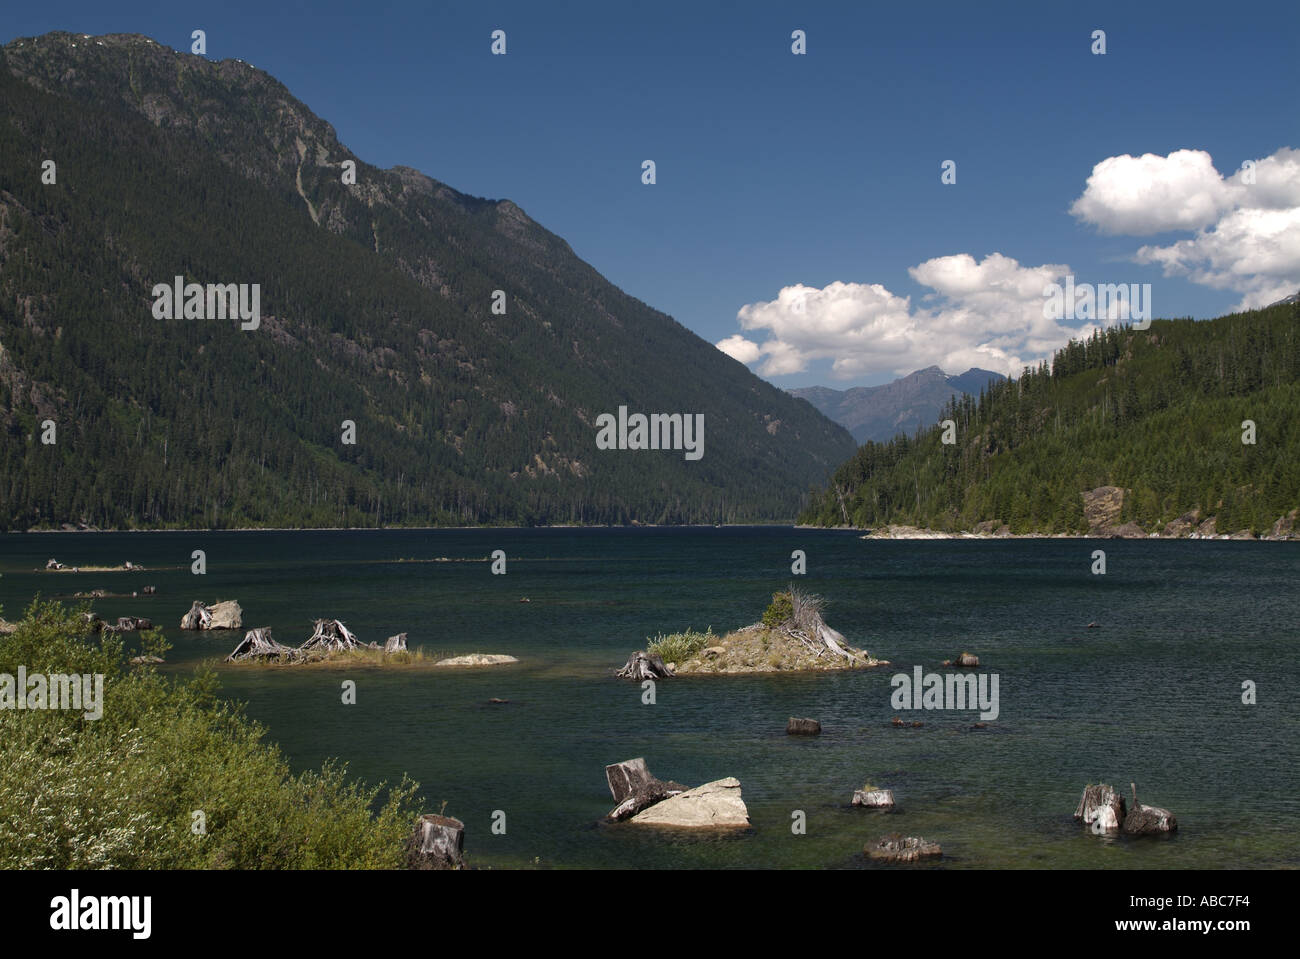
x,y
1247,226
986,313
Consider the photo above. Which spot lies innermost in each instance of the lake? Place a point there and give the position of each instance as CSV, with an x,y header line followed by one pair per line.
x,y
1152,694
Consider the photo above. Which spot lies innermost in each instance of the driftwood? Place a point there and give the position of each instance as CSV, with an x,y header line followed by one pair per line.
x,y
635,789
438,842
332,636
258,644
641,665
898,848
395,644
1101,809
802,727
1143,820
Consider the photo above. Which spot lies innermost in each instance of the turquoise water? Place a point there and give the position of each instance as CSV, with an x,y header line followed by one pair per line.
x,y
1153,694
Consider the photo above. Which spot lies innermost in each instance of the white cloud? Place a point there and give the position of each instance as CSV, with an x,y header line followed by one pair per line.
x,y
1149,194
1247,234
985,313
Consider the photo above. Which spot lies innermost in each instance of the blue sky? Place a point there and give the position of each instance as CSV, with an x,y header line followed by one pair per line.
x,y
818,174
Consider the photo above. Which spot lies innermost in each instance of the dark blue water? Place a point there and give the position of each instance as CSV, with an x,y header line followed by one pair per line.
x,y
1153,694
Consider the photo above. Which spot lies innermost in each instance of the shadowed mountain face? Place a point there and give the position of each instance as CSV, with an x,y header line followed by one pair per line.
x,y
376,307
910,403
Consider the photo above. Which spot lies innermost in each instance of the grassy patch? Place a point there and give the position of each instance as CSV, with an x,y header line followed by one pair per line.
x,y
679,647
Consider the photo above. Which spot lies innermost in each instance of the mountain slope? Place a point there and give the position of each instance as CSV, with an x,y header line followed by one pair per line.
x,y
1158,415
375,307
902,407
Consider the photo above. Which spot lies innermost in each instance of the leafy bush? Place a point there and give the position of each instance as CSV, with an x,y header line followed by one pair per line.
x,y
120,792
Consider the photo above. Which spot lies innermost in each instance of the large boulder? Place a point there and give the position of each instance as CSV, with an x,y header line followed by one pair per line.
x,y
437,843
714,805
1101,809
226,615
898,848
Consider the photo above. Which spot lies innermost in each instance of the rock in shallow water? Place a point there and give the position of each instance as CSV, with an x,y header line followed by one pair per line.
x,y
715,804
803,727
477,659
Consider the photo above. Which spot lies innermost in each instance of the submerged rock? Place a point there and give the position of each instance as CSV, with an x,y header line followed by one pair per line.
x,y
898,848
477,659
223,615
715,804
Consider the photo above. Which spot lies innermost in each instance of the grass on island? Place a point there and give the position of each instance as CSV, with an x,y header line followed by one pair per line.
x,y
778,643
170,776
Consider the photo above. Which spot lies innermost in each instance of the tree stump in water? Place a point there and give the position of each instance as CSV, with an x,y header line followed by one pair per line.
x,y
635,789
258,644
874,798
802,727
197,618
898,848
437,843
395,644
1100,808
641,665
332,636
1143,820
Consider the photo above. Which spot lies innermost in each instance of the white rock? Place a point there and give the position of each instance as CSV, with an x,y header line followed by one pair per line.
x,y
713,804
477,659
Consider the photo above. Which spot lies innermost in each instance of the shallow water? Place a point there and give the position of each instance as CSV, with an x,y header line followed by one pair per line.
x,y
1153,694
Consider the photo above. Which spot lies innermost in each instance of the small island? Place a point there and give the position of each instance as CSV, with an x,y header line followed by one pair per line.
x,y
792,636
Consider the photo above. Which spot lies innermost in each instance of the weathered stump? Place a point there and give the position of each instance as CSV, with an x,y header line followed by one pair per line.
x,y
898,848
1100,808
148,590
395,644
437,843
635,789
964,660
330,635
874,798
197,618
1144,820
642,665
802,727
258,644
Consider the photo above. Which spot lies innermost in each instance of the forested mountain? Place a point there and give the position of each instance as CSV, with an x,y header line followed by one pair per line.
x,y
1158,414
904,406
376,307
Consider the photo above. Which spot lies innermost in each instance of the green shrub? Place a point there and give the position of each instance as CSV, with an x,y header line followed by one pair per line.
x,y
121,792
679,647
779,612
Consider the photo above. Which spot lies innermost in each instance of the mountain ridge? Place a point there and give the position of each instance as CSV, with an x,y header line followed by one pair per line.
x,y
377,302
900,407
